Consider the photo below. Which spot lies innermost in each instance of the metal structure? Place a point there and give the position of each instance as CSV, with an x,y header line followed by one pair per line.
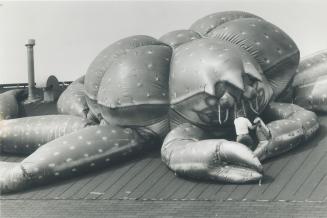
x,y
30,69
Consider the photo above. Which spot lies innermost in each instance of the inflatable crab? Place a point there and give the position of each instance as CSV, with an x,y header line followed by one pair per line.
x,y
182,91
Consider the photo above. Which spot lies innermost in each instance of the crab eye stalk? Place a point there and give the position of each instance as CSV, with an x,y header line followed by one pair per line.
x,y
226,101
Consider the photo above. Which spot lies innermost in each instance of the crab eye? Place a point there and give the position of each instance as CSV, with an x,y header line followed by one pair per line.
x,y
220,89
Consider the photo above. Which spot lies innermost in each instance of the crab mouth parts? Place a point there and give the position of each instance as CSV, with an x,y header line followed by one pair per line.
x,y
225,115
254,105
219,115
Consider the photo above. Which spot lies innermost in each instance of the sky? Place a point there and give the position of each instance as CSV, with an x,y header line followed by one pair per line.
x,y
70,34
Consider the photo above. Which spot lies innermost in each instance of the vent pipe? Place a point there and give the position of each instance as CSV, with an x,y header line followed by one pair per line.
x,y
30,67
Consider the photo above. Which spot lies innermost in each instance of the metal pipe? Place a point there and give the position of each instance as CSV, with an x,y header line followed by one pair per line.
x,y
30,67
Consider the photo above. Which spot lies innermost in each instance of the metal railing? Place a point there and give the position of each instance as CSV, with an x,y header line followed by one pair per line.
x,y
25,85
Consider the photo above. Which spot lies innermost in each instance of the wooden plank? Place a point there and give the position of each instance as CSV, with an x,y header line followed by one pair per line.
x,y
312,181
183,190
257,190
141,180
223,193
279,183
148,181
242,190
40,192
154,191
138,181
112,179
37,193
78,185
309,164
94,182
196,191
210,191
59,189
172,187
124,179
99,178
130,182
319,193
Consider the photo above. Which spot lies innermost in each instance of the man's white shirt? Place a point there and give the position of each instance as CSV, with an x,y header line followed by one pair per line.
x,y
242,125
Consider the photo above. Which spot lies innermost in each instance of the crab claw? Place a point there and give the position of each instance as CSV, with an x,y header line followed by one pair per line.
x,y
239,155
235,174
187,152
241,164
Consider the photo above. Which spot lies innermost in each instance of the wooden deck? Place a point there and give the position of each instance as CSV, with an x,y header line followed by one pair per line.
x,y
300,175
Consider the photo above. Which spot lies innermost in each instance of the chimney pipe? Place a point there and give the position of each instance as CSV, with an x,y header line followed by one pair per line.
x,y
30,66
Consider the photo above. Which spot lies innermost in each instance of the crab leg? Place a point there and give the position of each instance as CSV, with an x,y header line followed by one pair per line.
x,y
291,125
188,151
10,104
72,101
82,151
25,135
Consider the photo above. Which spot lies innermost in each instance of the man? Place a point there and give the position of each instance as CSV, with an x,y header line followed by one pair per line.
x,y
242,126
263,135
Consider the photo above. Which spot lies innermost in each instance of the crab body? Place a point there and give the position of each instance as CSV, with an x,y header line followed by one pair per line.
x,y
184,89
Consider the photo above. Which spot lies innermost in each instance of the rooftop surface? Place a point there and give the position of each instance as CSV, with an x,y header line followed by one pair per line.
x,y
295,184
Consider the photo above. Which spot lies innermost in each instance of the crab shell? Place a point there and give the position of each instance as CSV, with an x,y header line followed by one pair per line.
x,y
127,84
134,81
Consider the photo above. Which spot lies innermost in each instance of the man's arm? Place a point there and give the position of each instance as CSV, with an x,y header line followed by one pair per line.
x,y
259,121
252,127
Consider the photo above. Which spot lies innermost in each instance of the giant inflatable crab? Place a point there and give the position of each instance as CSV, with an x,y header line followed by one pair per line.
x,y
182,91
